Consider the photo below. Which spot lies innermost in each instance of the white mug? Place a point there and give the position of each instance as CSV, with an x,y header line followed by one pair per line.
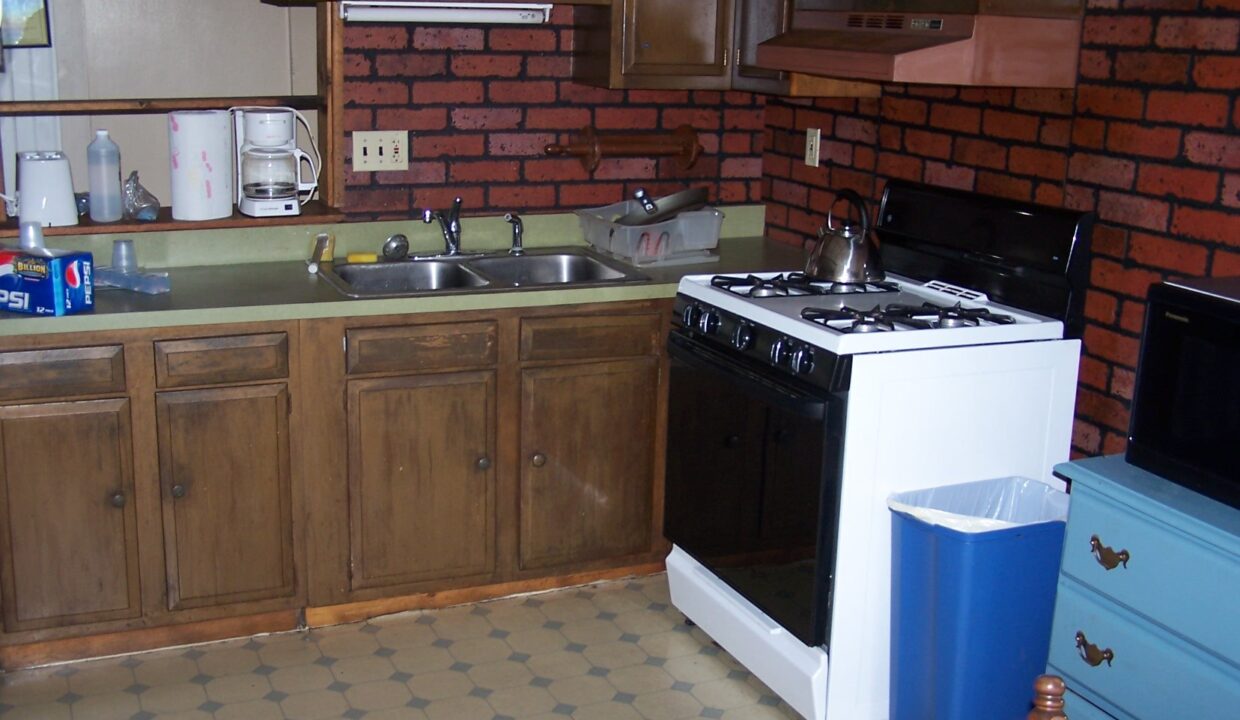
x,y
44,189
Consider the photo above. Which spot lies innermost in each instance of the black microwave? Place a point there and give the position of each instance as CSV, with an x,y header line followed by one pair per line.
x,y
1185,421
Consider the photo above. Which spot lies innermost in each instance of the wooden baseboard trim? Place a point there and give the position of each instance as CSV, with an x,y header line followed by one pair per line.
x,y
354,612
15,657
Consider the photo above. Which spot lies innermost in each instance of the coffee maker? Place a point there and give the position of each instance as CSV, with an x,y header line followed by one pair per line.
x,y
269,163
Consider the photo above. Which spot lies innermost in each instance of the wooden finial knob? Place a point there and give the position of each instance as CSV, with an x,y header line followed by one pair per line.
x,y
1047,698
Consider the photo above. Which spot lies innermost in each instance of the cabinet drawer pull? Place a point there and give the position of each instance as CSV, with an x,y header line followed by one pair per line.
x,y
178,491
1107,557
117,499
1090,652
484,463
538,460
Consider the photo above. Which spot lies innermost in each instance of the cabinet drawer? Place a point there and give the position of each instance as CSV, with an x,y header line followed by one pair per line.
x,y
213,360
1152,674
421,348
579,337
1078,708
1186,584
62,372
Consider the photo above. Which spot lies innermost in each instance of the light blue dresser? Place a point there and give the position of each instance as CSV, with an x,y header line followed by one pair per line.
x,y
1147,615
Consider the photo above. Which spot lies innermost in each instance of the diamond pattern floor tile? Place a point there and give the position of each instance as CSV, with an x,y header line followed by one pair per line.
x,y
611,651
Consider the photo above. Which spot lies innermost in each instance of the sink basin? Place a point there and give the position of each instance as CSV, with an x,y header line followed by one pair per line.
x,y
403,278
549,269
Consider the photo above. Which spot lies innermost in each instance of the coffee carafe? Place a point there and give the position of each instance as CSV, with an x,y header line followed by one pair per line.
x,y
269,163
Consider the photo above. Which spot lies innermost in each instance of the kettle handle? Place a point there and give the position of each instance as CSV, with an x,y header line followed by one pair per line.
x,y
854,199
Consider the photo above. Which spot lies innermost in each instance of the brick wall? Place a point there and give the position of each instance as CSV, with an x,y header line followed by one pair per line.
x,y
1147,140
482,103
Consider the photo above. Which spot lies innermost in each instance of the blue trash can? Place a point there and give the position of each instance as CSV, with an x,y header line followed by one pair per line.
x,y
974,569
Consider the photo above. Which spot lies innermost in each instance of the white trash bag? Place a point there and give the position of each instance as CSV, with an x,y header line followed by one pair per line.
x,y
984,505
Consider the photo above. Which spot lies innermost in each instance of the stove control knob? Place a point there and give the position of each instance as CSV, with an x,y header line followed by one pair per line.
x,y
709,322
781,351
803,361
690,316
742,337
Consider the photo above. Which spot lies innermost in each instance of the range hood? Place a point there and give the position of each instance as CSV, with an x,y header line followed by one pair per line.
x,y
444,11
952,42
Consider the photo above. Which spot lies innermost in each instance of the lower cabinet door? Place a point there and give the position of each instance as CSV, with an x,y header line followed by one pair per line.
x,y
421,478
68,534
227,498
587,465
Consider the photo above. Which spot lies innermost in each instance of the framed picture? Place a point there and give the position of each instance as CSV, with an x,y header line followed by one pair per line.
x,y
23,23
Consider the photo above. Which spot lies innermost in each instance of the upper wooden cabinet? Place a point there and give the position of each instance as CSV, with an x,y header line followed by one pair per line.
x,y
674,44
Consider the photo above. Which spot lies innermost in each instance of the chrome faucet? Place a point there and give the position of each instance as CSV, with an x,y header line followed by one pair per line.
x,y
518,230
449,224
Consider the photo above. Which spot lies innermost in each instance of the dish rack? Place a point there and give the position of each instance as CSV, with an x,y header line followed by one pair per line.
x,y
690,237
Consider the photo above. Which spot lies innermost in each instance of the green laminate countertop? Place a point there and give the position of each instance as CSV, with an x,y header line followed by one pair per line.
x,y
284,290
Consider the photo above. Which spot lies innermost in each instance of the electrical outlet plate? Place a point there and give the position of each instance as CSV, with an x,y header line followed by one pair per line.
x,y
813,142
380,150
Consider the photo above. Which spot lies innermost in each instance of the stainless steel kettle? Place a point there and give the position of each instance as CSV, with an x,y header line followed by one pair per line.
x,y
845,254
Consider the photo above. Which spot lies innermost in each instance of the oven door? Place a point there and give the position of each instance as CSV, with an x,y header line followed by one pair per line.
x,y
753,467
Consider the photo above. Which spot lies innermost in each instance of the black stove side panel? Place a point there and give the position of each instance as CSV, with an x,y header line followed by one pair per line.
x,y
1033,257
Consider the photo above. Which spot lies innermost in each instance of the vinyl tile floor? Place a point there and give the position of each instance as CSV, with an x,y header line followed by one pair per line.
x,y
610,651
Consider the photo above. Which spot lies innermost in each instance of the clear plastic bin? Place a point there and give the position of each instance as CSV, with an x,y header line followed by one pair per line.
x,y
689,237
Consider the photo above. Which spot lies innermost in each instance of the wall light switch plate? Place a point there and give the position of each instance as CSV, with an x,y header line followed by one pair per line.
x,y
380,150
813,143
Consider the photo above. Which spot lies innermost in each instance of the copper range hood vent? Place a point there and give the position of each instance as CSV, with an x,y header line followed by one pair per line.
x,y
948,42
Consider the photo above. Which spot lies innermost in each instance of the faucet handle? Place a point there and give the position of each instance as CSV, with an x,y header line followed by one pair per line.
x,y
518,230
428,215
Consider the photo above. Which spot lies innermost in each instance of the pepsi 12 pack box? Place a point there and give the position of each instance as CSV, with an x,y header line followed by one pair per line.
x,y
46,282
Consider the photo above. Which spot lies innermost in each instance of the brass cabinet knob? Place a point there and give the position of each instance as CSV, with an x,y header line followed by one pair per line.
x,y
1090,652
1107,557
178,491
117,499
538,460
484,463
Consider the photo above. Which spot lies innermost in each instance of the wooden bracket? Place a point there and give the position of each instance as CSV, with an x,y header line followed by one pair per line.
x,y
592,148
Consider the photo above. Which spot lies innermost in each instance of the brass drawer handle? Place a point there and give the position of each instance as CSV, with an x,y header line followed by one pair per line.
x,y
1090,652
1107,557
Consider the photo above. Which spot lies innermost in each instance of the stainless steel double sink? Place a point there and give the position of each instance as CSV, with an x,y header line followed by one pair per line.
x,y
561,267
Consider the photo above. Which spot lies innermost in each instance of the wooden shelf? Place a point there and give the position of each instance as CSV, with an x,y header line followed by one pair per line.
x,y
152,105
312,213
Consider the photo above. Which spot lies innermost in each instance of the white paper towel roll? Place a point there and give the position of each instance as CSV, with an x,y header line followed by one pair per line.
x,y
200,151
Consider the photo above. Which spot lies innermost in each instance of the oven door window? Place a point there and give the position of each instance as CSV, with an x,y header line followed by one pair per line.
x,y
751,485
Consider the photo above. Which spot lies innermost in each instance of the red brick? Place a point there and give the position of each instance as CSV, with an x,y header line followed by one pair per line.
x,y
1166,254
707,97
1114,443
1132,315
518,143
451,93
541,118
902,110
524,92
1004,186
736,97
1212,150
1048,193
743,119
932,91
1167,181
1056,132
1130,282
1095,65
1187,108
571,92
931,144
356,65
1086,437
788,193
1131,30
952,176
890,137
1000,97
1151,68
590,195
1199,33
376,93
471,196
521,197
485,171
411,65
1174,5
1213,225
1110,240
836,152
458,145
409,119
621,168
486,65
856,129
373,37
1160,142
859,182
956,117
780,116
982,153
1110,101
1088,133
418,173
523,39
699,118
555,169
1133,210
748,167
1102,170
1221,4
1080,197
358,119
549,66
1014,126
1231,190
1217,72
1045,101
1050,164
614,118
1101,307
377,200
486,118
1112,346
864,158
1225,264
900,166
1094,373
1103,409
447,38
1122,381
736,191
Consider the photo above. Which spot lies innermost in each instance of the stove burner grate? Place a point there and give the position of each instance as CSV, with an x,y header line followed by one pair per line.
x,y
794,284
927,316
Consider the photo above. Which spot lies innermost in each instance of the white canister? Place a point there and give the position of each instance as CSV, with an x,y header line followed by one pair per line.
x,y
200,151
44,189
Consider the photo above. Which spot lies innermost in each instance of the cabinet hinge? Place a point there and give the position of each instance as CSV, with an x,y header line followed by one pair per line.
x,y
726,54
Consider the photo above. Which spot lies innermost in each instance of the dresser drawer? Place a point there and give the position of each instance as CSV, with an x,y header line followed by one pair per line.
x,y
62,372
421,348
1078,708
1159,571
582,337
226,359
1152,674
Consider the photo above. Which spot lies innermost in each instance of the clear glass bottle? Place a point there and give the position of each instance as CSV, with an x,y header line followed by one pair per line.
x,y
103,162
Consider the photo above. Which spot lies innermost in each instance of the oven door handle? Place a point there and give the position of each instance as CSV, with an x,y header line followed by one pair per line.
x,y
769,390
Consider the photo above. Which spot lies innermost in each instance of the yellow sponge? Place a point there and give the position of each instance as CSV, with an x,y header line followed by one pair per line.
x,y
362,257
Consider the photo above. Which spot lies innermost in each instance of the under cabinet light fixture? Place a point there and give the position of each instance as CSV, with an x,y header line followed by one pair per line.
x,y
444,12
